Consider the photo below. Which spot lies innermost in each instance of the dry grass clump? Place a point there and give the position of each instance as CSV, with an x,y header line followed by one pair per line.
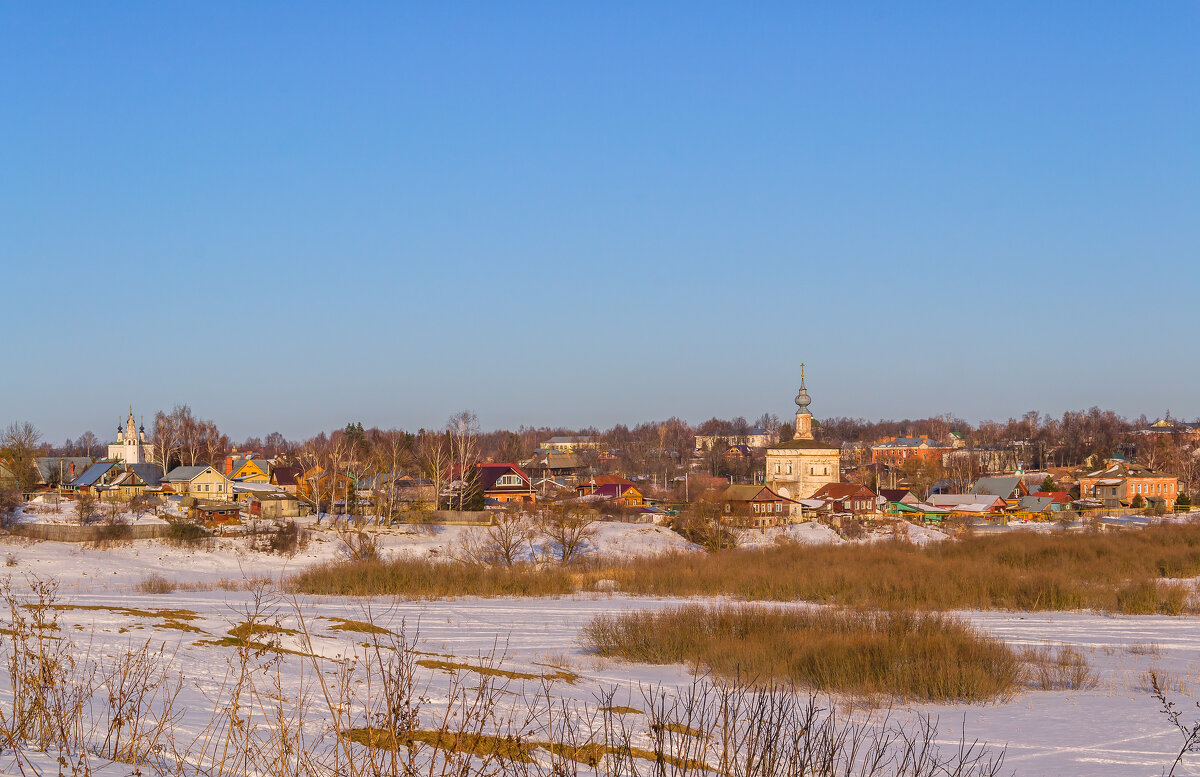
x,y
419,578
156,584
1058,669
925,657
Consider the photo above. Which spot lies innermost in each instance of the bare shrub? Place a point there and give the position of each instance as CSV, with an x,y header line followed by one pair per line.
x,y
50,686
1144,649
285,539
568,527
10,503
87,507
510,533
358,546
1188,731
186,534
112,532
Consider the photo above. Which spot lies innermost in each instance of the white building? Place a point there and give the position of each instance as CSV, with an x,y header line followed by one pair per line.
x,y
797,468
131,446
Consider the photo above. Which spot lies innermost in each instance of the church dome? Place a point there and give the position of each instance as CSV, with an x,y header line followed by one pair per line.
x,y
803,400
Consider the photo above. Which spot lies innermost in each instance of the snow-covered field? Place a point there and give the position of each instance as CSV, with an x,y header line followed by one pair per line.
x,y
1112,729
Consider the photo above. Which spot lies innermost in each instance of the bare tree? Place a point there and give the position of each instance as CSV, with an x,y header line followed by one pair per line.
x,y
510,532
86,442
391,454
569,526
433,459
169,433
463,429
86,507
20,444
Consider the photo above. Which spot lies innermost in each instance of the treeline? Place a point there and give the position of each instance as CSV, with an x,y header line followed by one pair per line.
x,y
182,437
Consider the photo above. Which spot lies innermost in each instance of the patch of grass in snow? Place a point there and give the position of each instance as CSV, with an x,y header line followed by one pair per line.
x,y
134,612
361,627
179,626
249,629
491,671
907,656
510,748
482,745
619,710
678,728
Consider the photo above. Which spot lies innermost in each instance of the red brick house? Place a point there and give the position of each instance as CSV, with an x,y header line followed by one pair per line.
x,y
898,450
1121,483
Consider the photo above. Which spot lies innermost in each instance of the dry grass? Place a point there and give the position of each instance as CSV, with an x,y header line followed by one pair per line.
x,y
359,627
1058,669
926,657
1019,571
419,578
495,671
156,584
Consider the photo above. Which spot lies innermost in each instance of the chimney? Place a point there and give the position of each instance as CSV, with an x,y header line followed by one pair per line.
x,y
228,465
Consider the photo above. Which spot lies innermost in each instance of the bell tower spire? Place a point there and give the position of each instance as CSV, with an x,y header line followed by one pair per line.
x,y
803,416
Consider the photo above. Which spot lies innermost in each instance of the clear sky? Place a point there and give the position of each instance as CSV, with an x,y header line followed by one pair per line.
x,y
293,215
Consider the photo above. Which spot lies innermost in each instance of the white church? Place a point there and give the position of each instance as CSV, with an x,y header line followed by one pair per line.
x,y
131,446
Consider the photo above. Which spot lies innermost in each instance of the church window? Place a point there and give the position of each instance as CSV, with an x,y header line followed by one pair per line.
x,y
789,469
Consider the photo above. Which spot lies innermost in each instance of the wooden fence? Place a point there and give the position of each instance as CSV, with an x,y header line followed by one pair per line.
x,y
56,532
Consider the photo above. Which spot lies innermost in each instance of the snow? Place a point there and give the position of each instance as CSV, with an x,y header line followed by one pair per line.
x,y
1113,729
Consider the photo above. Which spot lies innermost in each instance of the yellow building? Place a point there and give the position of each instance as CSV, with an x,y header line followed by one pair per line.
x,y
200,481
571,443
249,470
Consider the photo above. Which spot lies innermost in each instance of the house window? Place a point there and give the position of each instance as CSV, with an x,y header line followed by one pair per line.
x,y
777,469
756,507
789,469
509,480
779,507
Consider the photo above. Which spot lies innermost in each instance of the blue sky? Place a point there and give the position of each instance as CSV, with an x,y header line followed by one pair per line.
x,y
291,215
